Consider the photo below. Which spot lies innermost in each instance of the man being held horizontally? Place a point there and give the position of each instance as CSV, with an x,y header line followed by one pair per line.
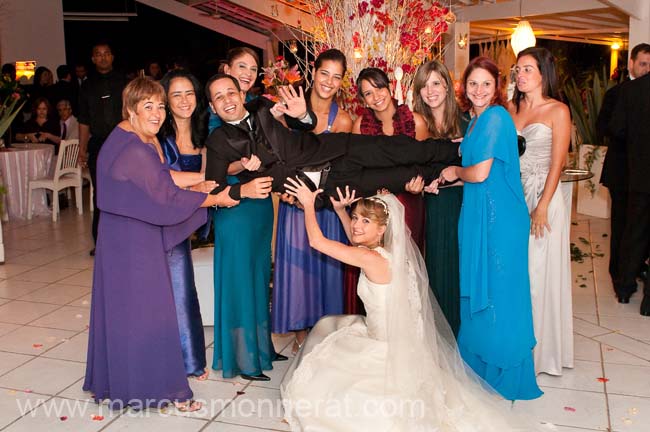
x,y
252,135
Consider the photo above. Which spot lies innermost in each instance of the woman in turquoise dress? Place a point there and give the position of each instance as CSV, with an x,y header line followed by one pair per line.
x,y
435,100
496,336
308,285
182,139
242,265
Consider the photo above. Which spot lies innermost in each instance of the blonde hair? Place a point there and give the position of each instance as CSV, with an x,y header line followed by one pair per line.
x,y
374,209
138,90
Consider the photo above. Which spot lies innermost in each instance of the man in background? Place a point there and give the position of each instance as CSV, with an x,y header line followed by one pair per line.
x,y
615,171
100,110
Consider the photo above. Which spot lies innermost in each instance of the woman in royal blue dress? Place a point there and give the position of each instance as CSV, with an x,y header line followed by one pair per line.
x,y
308,285
496,336
182,139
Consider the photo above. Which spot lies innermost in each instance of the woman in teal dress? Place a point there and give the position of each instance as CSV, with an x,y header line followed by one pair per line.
x,y
434,99
242,264
496,336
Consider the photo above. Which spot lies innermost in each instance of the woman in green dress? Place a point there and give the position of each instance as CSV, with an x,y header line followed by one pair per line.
x,y
435,101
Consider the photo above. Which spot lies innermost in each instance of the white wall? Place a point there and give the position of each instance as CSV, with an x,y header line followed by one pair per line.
x,y
32,30
640,27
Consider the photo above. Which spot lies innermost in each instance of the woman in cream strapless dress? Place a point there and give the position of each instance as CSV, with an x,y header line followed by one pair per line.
x,y
545,123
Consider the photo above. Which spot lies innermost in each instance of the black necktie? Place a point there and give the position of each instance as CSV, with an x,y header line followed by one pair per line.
x,y
245,125
64,130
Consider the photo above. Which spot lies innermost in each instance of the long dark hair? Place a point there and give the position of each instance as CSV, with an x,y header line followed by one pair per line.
x,y
546,66
331,54
450,121
491,67
375,76
199,124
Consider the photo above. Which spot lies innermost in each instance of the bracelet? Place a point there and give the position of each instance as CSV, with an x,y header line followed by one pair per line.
x,y
304,116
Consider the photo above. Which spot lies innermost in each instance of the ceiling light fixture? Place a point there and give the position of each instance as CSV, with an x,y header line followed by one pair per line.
x,y
523,36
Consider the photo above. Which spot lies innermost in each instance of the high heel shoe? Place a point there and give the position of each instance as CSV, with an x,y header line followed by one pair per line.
x,y
296,346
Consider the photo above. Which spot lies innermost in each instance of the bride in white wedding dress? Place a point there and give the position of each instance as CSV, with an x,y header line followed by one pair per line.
x,y
398,369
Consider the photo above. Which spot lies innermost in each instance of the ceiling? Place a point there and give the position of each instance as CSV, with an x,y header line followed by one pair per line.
x,y
590,21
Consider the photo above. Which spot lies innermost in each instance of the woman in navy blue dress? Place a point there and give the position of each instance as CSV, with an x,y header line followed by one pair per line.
x,y
182,139
308,285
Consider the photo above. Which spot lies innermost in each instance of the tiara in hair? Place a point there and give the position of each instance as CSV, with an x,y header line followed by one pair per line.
x,y
381,202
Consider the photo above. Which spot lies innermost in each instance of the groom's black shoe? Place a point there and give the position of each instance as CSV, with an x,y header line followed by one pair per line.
x,y
280,357
624,298
645,305
260,377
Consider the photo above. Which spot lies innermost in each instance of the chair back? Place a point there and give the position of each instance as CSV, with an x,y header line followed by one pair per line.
x,y
67,160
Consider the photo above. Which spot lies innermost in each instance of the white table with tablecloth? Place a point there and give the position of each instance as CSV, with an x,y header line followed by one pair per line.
x,y
18,165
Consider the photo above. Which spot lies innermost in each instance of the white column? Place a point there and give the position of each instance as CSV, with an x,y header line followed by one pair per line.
x,y
457,58
640,27
32,30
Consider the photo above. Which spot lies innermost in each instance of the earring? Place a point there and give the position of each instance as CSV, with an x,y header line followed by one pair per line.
x,y
131,119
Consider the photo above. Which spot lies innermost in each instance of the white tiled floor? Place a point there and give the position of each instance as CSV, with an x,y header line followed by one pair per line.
x,y
44,310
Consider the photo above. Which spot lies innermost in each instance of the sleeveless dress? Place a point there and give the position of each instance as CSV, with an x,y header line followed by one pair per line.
x,y
549,261
343,361
307,285
181,270
441,246
242,276
344,377
496,337
403,124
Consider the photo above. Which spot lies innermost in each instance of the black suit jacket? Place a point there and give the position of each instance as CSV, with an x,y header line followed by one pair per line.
x,y
630,123
614,174
290,150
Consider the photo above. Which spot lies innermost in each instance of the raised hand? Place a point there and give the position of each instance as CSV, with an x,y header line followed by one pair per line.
x,y
294,103
344,200
298,189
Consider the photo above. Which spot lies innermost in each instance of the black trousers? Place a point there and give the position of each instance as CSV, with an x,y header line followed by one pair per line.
x,y
634,248
617,225
366,163
94,145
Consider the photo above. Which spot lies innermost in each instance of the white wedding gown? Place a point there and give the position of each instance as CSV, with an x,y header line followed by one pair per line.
x,y
549,261
341,378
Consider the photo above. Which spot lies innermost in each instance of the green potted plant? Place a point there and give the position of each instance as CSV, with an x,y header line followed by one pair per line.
x,y
585,102
10,102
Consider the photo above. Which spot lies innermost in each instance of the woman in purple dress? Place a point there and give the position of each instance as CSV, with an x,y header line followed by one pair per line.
x,y
308,285
134,350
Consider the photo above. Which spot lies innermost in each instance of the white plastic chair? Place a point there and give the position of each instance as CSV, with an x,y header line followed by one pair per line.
x,y
85,174
67,174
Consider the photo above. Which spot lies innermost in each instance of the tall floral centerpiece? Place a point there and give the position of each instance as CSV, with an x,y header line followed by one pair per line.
x,y
388,34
